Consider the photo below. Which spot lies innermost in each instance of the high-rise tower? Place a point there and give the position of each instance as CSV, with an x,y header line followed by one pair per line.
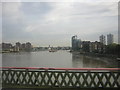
x,y
102,39
109,39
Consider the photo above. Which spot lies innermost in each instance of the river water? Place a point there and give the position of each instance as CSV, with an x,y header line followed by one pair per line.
x,y
59,59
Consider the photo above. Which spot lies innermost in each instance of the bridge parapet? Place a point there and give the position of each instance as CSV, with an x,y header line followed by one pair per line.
x,y
61,77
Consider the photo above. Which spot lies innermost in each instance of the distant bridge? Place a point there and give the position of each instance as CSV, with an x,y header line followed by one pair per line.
x,y
22,77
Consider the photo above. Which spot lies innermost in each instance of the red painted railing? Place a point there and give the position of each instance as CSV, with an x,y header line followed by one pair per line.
x,y
44,68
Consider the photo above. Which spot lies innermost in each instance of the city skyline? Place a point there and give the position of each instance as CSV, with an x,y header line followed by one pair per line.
x,y
46,23
106,40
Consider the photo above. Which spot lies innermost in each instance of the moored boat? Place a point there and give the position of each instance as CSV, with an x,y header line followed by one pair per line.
x,y
52,50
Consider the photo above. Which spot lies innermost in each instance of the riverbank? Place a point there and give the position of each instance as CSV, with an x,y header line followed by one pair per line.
x,y
96,54
14,51
101,55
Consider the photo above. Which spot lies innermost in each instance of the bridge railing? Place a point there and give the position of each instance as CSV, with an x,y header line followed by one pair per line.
x,y
61,77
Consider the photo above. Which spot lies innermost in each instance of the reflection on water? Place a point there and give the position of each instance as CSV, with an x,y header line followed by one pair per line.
x,y
77,60
93,62
83,61
17,59
59,59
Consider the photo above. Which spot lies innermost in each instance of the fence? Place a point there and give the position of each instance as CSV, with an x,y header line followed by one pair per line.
x,y
61,77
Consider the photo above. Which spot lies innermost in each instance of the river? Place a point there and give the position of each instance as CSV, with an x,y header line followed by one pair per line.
x,y
59,59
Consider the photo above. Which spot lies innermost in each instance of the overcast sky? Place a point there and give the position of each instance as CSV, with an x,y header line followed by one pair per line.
x,y
54,23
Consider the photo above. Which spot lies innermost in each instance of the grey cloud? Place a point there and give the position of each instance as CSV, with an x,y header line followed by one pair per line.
x,y
55,23
34,8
